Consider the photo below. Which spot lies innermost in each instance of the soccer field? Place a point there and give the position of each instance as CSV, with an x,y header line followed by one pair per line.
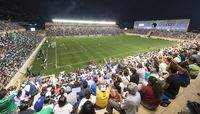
x,y
72,53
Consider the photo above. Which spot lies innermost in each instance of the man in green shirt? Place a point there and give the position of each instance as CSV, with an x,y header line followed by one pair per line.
x,y
7,104
193,68
45,111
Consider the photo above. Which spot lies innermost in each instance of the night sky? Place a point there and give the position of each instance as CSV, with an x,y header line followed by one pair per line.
x,y
123,11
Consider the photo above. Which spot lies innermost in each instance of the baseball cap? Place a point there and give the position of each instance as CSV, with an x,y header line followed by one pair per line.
x,y
103,88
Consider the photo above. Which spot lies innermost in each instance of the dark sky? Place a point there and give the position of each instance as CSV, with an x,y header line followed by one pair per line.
x,y
122,11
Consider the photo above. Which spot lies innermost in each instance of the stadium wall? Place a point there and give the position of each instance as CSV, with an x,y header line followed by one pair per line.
x,y
23,70
131,34
78,36
170,39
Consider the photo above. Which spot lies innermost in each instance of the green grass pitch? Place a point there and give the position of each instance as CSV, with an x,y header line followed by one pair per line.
x,y
72,53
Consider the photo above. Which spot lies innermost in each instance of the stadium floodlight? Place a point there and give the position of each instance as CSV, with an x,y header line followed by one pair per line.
x,y
84,21
141,25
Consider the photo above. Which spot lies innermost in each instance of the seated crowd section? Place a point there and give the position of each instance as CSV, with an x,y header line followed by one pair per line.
x,y
63,29
149,79
15,49
7,26
164,33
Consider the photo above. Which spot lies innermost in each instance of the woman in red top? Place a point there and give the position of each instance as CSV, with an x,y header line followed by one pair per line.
x,y
115,92
57,90
151,94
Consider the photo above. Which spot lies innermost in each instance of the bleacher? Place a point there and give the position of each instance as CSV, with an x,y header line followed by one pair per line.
x,y
6,26
176,105
27,41
16,48
164,33
68,29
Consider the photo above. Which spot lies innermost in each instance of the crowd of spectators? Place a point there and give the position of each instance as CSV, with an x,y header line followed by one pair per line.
x,y
198,37
175,34
164,33
81,29
15,48
7,26
149,79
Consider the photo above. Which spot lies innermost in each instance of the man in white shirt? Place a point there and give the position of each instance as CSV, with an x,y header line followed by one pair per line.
x,y
28,86
125,78
63,107
31,89
88,97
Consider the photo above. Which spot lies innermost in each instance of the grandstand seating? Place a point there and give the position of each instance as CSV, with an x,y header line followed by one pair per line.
x,y
8,26
16,47
164,33
55,29
175,34
176,105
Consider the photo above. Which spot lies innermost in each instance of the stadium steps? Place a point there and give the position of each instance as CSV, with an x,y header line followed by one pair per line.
x,y
176,105
189,93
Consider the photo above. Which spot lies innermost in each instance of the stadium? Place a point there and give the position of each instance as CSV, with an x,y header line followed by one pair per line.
x,y
79,66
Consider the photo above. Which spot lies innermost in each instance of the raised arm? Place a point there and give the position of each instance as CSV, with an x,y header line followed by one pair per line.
x,y
179,68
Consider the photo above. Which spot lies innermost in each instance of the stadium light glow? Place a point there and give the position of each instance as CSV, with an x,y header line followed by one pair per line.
x,y
84,21
141,25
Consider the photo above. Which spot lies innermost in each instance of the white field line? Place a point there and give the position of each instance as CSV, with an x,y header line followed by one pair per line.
x,y
47,55
56,54
50,63
73,52
100,58
85,50
81,45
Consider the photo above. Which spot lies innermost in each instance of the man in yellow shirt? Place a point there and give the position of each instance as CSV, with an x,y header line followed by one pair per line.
x,y
102,95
